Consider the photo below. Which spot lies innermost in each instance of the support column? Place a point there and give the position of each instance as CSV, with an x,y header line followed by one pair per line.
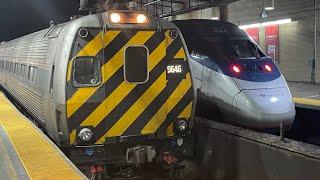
x,y
223,12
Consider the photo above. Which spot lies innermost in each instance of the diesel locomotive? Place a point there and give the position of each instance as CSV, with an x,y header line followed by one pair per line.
x,y
108,88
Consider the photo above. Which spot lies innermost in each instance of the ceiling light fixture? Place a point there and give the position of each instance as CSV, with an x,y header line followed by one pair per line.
x,y
282,21
269,5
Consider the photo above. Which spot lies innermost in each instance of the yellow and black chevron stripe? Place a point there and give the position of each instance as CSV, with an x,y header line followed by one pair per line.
x,y
116,107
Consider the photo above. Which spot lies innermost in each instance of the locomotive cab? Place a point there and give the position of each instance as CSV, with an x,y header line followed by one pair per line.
x,y
129,86
109,88
235,81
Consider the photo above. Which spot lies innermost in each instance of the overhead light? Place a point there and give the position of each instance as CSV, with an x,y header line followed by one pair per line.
x,y
250,26
282,21
269,5
264,13
152,2
269,8
215,18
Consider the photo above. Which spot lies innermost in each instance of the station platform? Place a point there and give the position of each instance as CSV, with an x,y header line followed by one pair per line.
x,y
230,152
305,95
26,153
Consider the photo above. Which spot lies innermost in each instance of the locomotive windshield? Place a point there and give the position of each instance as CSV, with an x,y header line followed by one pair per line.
x,y
221,48
86,71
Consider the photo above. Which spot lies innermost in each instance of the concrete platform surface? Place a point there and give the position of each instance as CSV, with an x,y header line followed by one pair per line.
x,y
305,95
304,90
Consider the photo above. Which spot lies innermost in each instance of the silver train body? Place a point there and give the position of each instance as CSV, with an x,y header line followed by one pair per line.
x,y
235,81
43,92
42,72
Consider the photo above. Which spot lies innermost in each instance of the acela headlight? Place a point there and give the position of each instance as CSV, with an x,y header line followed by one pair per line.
x,y
85,134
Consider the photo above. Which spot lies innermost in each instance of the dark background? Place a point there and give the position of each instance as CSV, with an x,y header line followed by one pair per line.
x,y
21,17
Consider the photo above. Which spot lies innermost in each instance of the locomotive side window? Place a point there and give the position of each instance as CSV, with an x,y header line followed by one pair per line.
x,y
86,72
136,64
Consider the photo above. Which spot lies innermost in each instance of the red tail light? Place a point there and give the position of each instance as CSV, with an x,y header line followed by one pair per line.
x,y
236,69
268,68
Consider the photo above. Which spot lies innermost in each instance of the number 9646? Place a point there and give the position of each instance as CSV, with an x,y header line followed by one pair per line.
x,y
174,69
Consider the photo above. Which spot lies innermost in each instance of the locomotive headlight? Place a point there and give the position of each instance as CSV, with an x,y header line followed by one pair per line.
x,y
179,141
85,134
182,125
115,17
141,18
128,17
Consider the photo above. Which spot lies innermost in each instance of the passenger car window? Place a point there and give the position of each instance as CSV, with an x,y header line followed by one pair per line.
x,y
12,67
86,71
34,78
23,72
17,69
30,77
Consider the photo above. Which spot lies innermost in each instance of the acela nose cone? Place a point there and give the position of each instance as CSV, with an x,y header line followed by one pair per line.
x,y
265,108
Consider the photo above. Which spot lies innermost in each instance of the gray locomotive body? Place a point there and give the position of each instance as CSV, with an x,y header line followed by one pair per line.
x,y
33,70
104,79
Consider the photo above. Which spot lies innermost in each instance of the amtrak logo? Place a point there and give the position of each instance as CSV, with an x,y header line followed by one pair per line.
x,y
271,95
219,30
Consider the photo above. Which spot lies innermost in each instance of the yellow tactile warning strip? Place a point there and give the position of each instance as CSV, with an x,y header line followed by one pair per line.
x,y
311,102
40,158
